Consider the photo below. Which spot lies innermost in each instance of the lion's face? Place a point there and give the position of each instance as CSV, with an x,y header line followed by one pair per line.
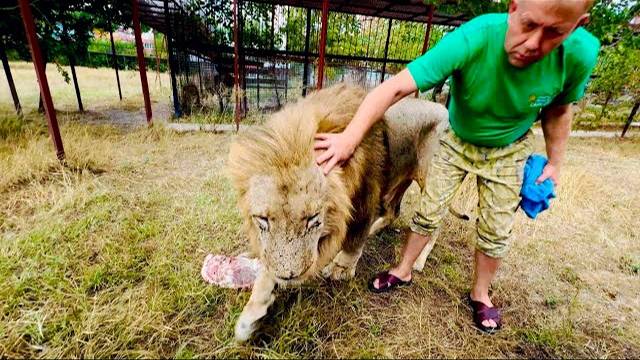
x,y
289,219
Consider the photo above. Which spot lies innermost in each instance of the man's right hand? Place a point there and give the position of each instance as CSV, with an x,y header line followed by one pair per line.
x,y
338,148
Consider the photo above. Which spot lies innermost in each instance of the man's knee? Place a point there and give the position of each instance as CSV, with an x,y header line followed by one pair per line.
x,y
493,245
425,225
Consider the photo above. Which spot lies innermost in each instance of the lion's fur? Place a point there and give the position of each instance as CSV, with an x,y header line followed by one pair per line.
x,y
284,146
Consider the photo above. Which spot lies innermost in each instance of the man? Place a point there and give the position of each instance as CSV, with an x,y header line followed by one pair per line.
x,y
506,70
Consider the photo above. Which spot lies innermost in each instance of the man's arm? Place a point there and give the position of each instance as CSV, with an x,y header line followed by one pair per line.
x,y
556,127
339,147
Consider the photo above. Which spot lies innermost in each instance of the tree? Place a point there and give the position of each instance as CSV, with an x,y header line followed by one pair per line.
x,y
618,68
469,8
618,73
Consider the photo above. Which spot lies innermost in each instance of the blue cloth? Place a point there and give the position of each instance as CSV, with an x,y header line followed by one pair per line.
x,y
535,197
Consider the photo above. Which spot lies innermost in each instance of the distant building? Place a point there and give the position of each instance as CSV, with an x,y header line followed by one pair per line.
x,y
635,23
126,35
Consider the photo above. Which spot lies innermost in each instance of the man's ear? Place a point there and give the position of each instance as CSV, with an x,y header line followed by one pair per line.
x,y
513,6
584,20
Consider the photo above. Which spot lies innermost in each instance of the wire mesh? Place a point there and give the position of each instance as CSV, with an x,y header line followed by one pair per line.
x,y
275,49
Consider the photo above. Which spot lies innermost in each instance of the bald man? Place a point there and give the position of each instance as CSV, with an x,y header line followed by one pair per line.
x,y
505,71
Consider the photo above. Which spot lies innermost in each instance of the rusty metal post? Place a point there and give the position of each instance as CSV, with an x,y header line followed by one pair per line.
x,y
323,42
305,72
141,62
427,36
236,65
386,53
114,57
38,63
12,84
630,119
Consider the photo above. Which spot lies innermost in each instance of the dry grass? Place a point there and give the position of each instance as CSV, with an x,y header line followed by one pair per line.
x,y
98,88
101,258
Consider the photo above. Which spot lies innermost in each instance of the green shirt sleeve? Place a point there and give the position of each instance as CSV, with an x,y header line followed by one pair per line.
x,y
437,64
580,63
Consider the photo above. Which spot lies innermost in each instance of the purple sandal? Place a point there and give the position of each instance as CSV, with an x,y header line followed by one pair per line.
x,y
482,312
387,282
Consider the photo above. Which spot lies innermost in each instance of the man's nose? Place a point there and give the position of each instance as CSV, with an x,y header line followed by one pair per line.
x,y
534,42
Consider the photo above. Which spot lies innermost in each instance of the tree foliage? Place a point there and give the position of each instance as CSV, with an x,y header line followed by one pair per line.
x,y
618,70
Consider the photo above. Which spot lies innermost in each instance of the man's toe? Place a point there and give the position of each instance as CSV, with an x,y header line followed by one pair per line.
x,y
489,323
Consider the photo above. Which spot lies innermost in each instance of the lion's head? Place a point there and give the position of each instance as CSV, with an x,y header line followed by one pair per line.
x,y
289,220
294,215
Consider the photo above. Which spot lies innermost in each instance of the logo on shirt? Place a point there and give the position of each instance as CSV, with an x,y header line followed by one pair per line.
x,y
539,101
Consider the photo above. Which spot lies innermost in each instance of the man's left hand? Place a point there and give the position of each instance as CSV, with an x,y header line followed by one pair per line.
x,y
550,171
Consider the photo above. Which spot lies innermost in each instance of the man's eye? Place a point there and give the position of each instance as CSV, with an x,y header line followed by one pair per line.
x,y
555,32
528,24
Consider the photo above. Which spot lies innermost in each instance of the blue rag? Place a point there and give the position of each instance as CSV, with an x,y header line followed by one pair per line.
x,y
535,197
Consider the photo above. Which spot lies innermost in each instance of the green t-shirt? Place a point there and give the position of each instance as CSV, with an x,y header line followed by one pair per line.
x,y
492,102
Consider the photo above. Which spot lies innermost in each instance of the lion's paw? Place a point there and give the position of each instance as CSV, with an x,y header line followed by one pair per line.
x,y
336,271
243,330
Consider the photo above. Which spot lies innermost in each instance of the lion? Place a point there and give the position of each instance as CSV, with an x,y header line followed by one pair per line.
x,y
301,223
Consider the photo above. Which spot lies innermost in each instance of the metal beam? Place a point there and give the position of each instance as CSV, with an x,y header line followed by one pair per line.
x,y
114,57
236,65
177,112
630,119
199,75
38,63
141,62
72,65
243,64
323,42
427,36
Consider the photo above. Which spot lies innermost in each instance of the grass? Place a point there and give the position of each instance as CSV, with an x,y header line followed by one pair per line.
x,y
98,88
589,115
101,258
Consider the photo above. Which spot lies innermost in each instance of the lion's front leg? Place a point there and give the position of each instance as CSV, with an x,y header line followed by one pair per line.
x,y
343,266
261,298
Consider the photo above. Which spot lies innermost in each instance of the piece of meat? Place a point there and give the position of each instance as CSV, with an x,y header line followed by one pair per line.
x,y
233,272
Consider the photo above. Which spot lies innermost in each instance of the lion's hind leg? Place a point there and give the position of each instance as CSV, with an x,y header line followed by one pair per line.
x,y
390,206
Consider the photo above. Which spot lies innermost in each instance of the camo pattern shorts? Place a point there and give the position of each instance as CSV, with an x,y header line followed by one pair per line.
x,y
499,172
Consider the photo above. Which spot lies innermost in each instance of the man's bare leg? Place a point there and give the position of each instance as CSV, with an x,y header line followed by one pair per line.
x,y
485,271
412,248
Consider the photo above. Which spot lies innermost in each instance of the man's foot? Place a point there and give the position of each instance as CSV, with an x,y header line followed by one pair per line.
x,y
388,280
486,317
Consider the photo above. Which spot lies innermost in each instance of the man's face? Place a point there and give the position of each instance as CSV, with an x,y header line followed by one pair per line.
x,y
536,27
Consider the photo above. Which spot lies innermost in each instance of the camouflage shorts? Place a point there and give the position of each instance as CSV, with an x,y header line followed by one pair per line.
x,y
499,172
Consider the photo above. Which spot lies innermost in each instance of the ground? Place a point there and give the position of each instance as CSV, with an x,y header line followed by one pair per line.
x,y
101,258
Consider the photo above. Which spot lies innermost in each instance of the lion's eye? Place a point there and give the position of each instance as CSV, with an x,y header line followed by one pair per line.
x,y
313,221
262,222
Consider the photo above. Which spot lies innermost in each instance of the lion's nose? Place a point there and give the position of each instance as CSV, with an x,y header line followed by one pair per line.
x,y
288,275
